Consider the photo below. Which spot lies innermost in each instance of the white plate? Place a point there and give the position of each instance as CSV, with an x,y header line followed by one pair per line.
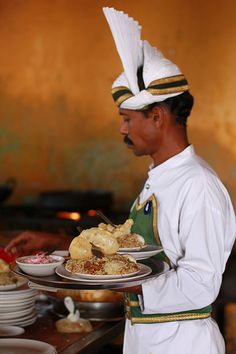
x,y
11,308
10,331
24,323
144,253
25,346
16,306
17,295
62,272
13,286
18,321
18,292
17,301
62,253
15,314
131,249
26,316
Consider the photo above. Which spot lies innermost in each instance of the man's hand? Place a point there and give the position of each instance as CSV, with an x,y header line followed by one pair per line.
x,y
30,241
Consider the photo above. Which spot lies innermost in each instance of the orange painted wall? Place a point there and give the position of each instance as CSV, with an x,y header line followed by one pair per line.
x,y
59,127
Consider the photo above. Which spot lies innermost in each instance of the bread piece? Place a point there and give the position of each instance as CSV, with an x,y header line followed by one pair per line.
x,y
102,239
80,248
118,230
123,229
65,325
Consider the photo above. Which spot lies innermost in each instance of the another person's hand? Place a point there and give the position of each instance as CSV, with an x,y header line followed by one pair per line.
x,y
31,241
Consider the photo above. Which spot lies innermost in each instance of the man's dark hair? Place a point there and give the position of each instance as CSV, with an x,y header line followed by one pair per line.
x,y
180,106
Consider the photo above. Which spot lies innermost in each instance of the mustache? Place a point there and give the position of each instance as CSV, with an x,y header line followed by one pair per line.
x,y
127,140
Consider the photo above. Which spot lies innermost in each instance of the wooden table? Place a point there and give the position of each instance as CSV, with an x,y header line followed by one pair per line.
x,y
44,329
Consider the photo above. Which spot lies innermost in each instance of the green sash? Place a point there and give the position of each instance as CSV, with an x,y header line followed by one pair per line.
x,y
145,224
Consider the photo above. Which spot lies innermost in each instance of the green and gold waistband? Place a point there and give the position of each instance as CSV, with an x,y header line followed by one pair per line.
x,y
133,313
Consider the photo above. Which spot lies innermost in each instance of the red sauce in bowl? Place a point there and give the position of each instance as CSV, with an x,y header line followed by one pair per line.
x,y
38,259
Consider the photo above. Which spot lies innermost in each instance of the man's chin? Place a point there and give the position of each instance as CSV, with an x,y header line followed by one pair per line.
x,y
135,152
138,153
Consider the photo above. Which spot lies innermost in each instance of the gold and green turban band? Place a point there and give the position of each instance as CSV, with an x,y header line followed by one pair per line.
x,y
165,86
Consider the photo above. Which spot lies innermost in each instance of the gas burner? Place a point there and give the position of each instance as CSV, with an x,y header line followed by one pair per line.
x,y
38,218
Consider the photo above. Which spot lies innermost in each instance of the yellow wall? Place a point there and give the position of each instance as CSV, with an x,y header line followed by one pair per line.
x,y
59,127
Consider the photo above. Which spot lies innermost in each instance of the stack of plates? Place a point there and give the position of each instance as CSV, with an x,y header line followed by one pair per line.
x,y
17,307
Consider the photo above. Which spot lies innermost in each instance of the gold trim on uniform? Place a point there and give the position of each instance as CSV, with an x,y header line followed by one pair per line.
x,y
139,205
167,318
131,303
155,230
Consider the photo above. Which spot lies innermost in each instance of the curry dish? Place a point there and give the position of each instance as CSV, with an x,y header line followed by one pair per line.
x,y
130,241
107,265
6,276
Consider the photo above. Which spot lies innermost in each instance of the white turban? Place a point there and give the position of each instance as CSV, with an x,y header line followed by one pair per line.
x,y
162,78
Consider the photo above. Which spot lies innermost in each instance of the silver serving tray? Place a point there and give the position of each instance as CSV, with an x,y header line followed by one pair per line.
x,y
55,281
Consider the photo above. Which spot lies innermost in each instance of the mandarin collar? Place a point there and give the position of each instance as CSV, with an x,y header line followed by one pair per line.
x,y
171,162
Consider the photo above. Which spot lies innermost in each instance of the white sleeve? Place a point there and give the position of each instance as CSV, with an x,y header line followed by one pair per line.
x,y
206,235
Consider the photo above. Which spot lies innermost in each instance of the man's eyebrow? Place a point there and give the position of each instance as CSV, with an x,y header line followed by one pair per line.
x,y
121,113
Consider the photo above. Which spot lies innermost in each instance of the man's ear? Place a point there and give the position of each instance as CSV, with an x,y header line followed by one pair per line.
x,y
157,115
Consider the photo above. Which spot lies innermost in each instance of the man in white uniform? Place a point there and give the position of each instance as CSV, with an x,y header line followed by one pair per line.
x,y
183,206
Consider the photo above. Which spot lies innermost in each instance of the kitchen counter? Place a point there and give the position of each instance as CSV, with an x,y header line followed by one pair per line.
x,y
44,329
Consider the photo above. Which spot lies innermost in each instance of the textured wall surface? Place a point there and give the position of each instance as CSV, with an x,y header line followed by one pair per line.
x,y
59,127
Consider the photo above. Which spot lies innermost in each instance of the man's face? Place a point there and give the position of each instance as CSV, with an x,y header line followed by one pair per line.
x,y
139,131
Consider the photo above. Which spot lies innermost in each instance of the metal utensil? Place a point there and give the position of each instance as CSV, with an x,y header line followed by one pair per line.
x,y
96,251
105,218
79,228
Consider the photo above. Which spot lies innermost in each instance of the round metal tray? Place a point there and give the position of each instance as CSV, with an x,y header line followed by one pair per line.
x,y
55,281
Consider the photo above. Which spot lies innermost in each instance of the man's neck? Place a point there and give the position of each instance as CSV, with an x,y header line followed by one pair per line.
x,y
167,152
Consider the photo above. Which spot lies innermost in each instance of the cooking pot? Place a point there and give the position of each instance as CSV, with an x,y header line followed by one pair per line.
x,y
93,311
76,199
6,189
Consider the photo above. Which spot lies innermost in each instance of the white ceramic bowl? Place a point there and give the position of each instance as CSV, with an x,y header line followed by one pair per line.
x,y
39,269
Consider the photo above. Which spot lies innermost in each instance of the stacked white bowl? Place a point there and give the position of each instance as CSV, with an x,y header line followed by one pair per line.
x,y
17,307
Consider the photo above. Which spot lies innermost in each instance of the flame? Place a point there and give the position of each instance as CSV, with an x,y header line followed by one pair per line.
x,y
73,215
91,212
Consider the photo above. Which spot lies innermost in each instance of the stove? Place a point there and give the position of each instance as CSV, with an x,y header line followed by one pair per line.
x,y
63,211
40,218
